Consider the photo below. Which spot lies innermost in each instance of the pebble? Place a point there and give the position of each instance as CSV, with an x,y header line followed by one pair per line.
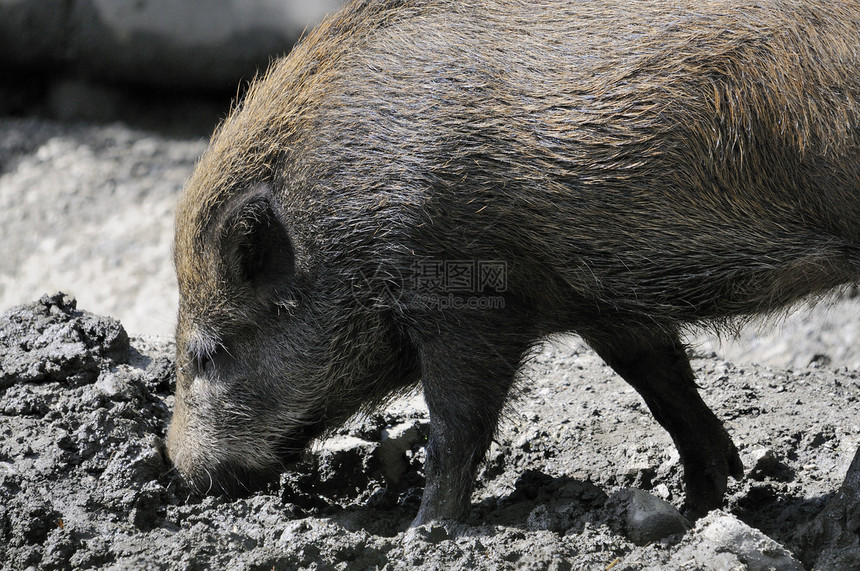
x,y
647,518
763,462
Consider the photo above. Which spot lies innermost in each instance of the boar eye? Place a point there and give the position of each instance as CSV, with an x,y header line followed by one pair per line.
x,y
202,355
206,365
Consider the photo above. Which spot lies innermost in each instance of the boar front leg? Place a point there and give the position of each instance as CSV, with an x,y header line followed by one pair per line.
x,y
658,368
465,388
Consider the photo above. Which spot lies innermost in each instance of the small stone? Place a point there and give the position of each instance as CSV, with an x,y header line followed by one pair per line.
x,y
647,518
662,492
763,463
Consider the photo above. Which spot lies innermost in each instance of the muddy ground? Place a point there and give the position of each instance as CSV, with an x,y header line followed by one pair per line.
x,y
580,476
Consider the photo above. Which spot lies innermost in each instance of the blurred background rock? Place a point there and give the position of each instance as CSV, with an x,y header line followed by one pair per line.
x,y
167,64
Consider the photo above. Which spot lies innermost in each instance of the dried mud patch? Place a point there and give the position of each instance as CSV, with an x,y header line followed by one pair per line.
x,y
579,477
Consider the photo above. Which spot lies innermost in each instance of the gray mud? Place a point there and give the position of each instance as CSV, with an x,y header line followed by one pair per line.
x,y
580,475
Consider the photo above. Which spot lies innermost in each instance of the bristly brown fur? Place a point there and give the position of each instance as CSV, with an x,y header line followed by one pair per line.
x,y
640,168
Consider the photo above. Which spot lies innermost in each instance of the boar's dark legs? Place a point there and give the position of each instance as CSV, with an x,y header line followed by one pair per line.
x,y
465,387
660,371
465,393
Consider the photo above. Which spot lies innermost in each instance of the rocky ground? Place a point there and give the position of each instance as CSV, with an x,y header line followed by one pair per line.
x,y
580,476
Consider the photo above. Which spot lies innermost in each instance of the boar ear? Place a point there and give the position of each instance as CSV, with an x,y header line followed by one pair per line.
x,y
255,246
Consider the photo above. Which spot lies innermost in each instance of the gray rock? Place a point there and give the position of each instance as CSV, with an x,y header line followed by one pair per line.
x,y
646,518
186,44
721,541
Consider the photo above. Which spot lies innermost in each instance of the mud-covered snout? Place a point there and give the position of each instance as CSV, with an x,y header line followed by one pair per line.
x,y
227,478
198,459
220,445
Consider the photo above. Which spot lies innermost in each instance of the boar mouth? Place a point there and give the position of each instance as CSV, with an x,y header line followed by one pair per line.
x,y
235,479
232,480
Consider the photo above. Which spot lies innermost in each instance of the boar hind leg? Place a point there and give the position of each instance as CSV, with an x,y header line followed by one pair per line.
x,y
660,372
465,399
